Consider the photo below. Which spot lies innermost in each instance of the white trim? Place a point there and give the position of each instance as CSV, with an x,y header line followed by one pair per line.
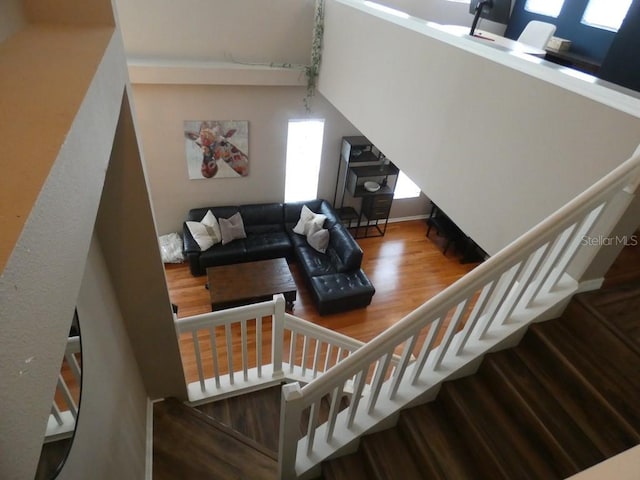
x,y
182,72
148,464
408,219
589,285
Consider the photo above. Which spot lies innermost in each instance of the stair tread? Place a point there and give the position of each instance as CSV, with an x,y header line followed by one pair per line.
x,y
388,458
437,448
254,414
591,413
595,369
600,328
347,467
485,424
619,305
214,453
547,423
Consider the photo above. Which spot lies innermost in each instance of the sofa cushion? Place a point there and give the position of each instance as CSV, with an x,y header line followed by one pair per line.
x,y
330,214
342,244
232,228
263,218
267,245
197,214
314,263
234,252
341,291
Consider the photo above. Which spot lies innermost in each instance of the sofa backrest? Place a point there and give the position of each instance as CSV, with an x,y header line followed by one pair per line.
x,y
292,212
262,218
345,248
197,214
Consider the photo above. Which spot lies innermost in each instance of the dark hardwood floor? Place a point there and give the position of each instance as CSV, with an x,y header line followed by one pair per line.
x,y
561,401
405,266
189,445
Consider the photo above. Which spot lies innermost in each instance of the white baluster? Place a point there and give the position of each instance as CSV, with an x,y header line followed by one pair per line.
x,y
259,346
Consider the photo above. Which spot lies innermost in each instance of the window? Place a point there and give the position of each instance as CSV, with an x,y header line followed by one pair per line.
x,y
606,14
550,8
304,148
405,188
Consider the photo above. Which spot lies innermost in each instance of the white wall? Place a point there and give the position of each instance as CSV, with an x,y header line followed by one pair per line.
x,y
161,110
70,81
40,283
246,30
497,141
111,430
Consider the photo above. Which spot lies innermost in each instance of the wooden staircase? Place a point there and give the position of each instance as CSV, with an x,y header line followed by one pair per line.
x,y
234,438
188,444
566,398
563,400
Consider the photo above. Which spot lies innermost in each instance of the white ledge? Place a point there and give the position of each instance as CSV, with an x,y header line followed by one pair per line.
x,y
612,95
194,72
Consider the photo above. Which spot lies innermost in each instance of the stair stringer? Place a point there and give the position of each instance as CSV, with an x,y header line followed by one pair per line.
x,y
387,411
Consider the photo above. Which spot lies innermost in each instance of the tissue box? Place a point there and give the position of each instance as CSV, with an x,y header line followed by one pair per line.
x,y
557,43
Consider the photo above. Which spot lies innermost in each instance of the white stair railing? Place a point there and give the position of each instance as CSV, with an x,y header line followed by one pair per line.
x,y
445,338
64,410
450,333
300,350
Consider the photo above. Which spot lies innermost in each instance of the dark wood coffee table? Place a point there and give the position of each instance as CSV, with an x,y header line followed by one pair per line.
x,y
250,282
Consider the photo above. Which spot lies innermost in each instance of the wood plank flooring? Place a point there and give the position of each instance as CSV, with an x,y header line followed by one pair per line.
x,y
587,427
189,445
405,266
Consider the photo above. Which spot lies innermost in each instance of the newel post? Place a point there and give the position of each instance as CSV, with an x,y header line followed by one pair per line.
x,y
277,336
290,412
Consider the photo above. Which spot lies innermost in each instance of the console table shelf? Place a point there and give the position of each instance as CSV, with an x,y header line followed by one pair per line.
x,y
362,210
348,215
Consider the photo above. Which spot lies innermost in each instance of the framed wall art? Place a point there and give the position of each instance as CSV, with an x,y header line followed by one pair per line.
x,y
217,148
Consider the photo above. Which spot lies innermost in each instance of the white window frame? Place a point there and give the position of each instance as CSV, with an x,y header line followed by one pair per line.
x,y
548,8
598,14
304,152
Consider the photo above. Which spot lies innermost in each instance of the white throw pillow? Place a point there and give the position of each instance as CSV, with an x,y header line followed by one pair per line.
x,y
210,221
309,221
319,240
202,234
